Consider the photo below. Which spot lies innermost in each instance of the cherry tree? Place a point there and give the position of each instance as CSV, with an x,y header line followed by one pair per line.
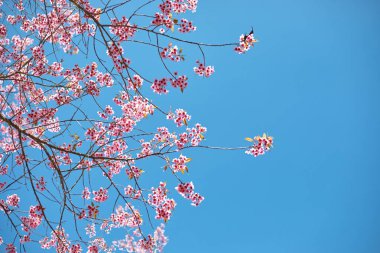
x,y
73,134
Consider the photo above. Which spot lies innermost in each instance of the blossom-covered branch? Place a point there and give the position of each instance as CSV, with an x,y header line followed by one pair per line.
x,y
73,143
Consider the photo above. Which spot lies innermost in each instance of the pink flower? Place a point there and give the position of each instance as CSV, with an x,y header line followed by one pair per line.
x,y
20,159
159,86
86,193
245,43
33,220
146,150
90,230
158,199
75,248
109,110
203,70
24,239
92,210
92,249
134,172
186,26
180,82
180,117
82,214
3,31
123,29
133,193
100,195
172,53
179,164
41,184
13,200
260,145
3,170
135,83
11,248
186,190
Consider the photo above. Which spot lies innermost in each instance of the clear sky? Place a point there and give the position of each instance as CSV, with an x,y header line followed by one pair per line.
x,y
312,82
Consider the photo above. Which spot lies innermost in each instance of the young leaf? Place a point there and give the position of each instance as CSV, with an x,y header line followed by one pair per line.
x,y
249,139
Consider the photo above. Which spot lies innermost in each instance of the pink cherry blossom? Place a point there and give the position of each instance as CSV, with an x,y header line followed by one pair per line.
x,y
135,82
78,153
186,26
75,248
187,191
123,29
126,216
164,206
261,144
172,53
159,86
90,230
41,184
131,192
11,248
245,43
180,82
86,193
203,70
13,200
180,117
179,164
101,195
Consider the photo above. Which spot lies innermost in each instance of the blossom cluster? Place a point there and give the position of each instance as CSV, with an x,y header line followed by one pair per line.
x,y
41,184
108,111
132,193
186,26
65,25
261,144
115,51
43,115
155,243
101,195
163,205
179,164
123,29
172,53
58,240
179,82
134,172
13,200
135,82
186,190
33,220
125,217
137,108
46,120
159,86
180,117
203,70
245,43
192,136
168,7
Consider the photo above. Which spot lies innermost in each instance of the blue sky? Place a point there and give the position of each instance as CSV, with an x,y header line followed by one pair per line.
x,y
312,82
